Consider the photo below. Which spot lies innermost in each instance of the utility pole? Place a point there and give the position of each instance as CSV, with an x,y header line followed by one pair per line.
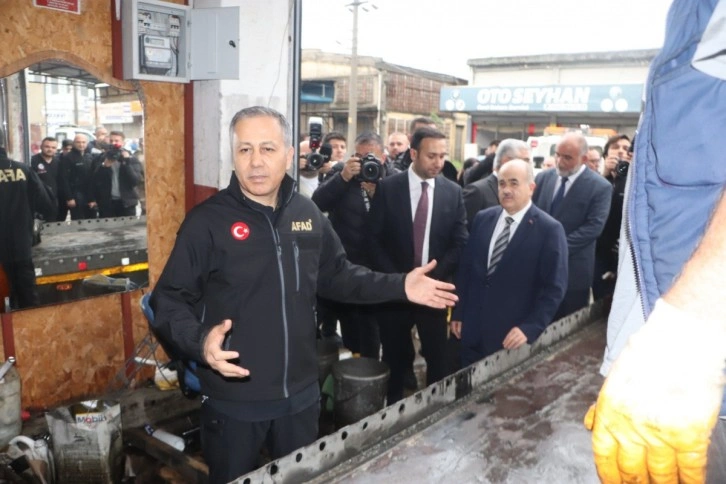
x,y
353,81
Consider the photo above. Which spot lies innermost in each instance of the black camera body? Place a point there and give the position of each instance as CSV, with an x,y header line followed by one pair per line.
x,y
111,152
371,169
319,155
622,168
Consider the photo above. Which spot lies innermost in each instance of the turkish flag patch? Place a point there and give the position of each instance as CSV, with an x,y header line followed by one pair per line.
x,y
240,231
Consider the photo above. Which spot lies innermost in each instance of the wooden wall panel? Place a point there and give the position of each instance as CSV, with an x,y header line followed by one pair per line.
x,y
69,350
74,349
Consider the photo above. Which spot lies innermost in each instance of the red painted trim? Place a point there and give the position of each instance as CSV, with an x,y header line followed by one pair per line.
x,y
116,44
8,334
128,330
202,192
189,201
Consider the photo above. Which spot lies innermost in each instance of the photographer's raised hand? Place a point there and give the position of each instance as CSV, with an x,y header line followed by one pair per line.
x,y
351,169
216,357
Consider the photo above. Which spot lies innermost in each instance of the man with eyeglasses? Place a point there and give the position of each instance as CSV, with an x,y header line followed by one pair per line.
x,y
580,199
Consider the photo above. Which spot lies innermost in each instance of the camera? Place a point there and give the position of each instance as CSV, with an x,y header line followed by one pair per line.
x,y
112,152
370,168
622,168
319,155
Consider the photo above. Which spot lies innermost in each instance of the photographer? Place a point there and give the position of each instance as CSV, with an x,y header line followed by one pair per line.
x,y
314,157
309,179
617,152
112,189
338,146
347,197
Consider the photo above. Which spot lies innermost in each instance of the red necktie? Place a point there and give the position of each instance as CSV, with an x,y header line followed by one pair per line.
x,y
419,224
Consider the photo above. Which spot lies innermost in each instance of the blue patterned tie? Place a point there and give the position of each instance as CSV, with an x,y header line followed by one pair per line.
x,y
499,246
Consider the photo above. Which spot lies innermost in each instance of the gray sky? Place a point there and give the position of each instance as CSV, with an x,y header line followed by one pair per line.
x,y
441,35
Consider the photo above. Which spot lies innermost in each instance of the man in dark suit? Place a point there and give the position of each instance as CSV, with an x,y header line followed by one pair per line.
x,y
417,216
483,193
485,167
513,271
580,199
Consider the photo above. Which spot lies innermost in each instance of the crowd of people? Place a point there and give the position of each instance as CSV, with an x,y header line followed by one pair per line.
x,y
346,248
90,179
82,180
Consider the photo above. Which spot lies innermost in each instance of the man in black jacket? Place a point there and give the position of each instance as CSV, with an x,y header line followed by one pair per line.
x,y
347,200
76,168
21,195
238,292
46,164
113,186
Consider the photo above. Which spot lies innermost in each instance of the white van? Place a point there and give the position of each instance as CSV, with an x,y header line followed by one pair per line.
x,y
70,132
542,147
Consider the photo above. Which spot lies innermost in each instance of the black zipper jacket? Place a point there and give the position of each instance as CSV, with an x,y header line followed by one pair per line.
x,y
22,194
231,261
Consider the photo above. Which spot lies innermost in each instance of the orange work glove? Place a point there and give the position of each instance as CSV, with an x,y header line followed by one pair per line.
x,y
656,410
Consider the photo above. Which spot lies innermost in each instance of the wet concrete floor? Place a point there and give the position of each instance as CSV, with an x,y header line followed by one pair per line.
x,y
527,430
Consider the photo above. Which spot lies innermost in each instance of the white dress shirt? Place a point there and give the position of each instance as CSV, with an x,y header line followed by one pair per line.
x,y
414,185
501,223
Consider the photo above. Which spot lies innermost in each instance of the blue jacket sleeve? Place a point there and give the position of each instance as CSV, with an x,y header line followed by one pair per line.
x,y
551,281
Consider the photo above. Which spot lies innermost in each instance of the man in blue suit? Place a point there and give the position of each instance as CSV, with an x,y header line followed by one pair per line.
x,y
579,199
513,272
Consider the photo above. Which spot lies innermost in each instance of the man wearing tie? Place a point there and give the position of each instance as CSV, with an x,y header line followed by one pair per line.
x,y
417,216
579,199
484,193
513,271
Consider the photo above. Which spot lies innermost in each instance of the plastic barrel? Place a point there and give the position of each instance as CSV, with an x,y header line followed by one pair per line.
x,y
360,389
327,355
10,421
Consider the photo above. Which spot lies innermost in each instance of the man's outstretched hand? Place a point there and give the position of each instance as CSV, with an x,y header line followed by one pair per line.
x,y
656,410
216,357
421,289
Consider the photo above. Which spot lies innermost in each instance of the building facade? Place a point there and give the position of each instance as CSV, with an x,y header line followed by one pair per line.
x,y
389,96
517,97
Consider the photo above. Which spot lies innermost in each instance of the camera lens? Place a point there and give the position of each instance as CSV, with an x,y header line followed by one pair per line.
x,y
622,167
315,161
371,171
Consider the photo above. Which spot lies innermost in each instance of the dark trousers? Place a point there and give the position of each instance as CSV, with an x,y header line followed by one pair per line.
x,y
62,211
115,208
575,299
232,447
394,324
82,211
359,328
21,278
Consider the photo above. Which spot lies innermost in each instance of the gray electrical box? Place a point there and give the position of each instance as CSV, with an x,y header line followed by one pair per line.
x,y
164,41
